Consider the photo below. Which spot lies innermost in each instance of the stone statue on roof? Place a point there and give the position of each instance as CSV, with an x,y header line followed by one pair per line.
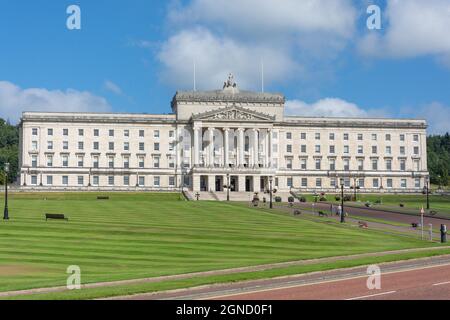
x,y
230,82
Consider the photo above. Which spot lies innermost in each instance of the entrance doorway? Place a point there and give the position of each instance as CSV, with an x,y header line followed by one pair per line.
x,y
263,184
203,183
233,183
219,183
248,184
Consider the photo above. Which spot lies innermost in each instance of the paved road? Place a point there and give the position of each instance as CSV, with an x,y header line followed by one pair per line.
x,y
427,278
432,283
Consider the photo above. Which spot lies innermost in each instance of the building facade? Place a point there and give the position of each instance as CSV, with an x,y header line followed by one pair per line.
x,y
218,137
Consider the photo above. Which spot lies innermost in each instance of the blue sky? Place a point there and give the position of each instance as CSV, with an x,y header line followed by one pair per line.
x,y
131,56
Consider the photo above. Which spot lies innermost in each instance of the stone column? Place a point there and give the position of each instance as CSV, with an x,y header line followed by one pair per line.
x,y
226,135
255,148
241,147
269,148
196,147
211,146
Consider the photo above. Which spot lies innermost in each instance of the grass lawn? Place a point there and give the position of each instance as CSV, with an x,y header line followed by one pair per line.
x,y
143,235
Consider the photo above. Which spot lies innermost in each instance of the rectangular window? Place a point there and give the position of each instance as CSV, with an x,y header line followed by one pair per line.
x,y
34,145
65,180
141,162
81,132
111,146
360,164
34,131
49,180
331,136
126,162
317,148
375,183
65,145
317,136
80,161
49,161
95,162
156,134
126,180
388,150
171,146
303,148
303,164
416,138
96,133
111,132
141,133
318,164
65,161
361,182
171,135
289,148
374,136
360,149
289,163
111,180
171,162
80,145
95,180
389,183
346,165
403,183
345,136
402,151
402,137
156,181
34,161
332,164
50,132
96,145
171,181
289,135
34,180
388,137
360,136
374,149
141,181
417,183
156,146
304,182
416,151
416,165
289,182
346,149
402,165
65,132
303,136
111,162
374,164
141,146
318,183
50,145
388,165
333,183
126,146
80,180
126,133
156,162
332,149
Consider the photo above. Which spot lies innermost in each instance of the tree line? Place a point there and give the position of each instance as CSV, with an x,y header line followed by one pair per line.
x,y
438,154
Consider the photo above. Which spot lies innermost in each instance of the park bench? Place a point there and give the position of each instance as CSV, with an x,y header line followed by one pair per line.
x,y
363,224
102,198
55,216
323,214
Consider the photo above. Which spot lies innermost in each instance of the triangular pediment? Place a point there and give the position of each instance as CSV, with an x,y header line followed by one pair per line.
x,y
233,113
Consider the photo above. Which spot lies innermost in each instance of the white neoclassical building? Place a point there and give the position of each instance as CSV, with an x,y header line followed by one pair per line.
x,y
214,136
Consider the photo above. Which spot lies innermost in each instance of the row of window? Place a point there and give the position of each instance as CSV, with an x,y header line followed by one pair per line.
x,y
346,149
96,132
346,136
346,164
96,161
112,180
96,146
360,182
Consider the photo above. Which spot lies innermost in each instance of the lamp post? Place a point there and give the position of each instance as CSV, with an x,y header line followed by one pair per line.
x,y
381,194
270,191
342,202
228,187
428,192
6,213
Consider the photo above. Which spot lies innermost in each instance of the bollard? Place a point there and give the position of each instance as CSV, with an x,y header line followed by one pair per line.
x,y
431,232
443,233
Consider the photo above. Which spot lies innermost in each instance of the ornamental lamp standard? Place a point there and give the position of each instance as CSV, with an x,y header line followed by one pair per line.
x,y
228,187
427,189
6,213
342,201
270,192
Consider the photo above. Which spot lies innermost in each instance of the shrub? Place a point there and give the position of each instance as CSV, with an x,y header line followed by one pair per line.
x,y
368,204
323,199
278,199
402,205
337,198
291,199
302,199
347,197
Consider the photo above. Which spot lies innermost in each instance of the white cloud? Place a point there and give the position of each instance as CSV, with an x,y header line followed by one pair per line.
x,y
437,116
295,39
328,107
413,28
14,100
112,87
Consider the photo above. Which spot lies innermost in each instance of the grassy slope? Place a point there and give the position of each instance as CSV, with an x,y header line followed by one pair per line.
x,y
143,235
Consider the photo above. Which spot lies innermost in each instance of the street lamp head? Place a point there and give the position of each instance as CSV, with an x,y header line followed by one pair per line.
x,y
270,178
342,181
7,167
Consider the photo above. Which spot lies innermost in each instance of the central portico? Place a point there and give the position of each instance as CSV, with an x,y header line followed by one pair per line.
x,y
230,134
